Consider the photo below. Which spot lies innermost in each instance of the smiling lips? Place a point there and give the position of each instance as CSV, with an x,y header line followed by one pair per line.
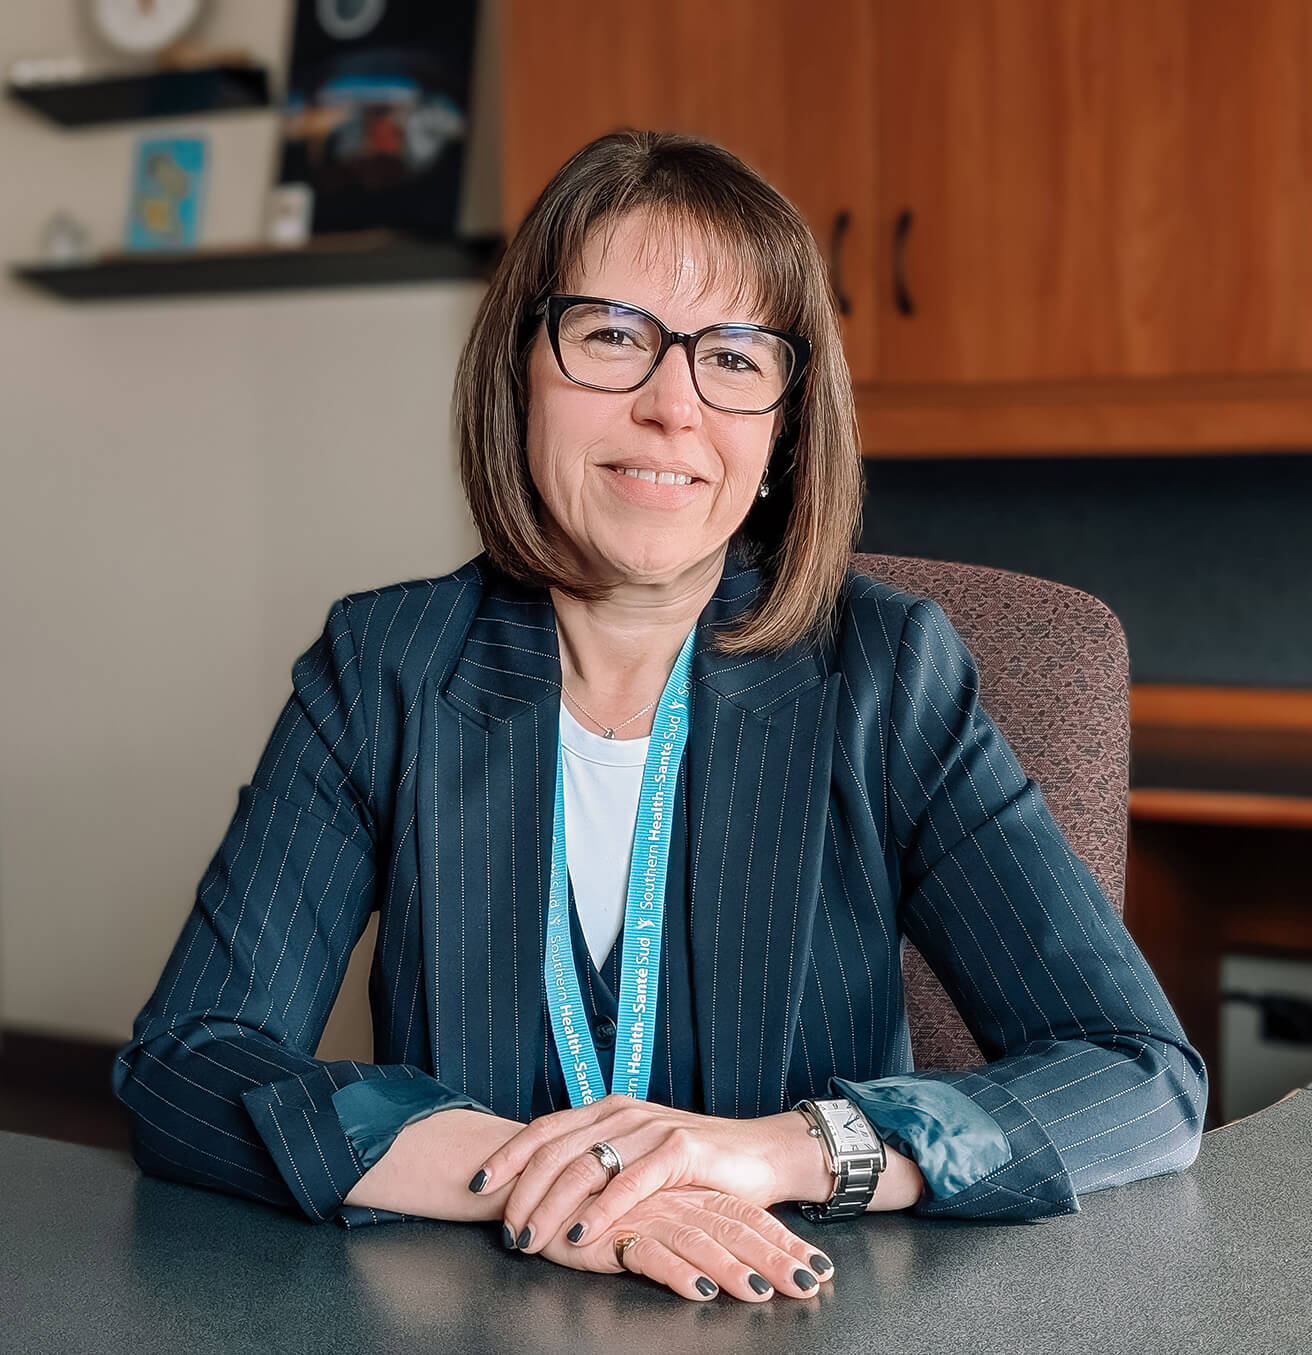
x,y
656,475
653,487
652,477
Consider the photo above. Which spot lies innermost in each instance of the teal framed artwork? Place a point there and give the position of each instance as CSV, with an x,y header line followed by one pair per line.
x,y
168,194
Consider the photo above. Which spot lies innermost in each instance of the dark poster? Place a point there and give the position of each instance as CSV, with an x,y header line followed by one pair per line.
x,y
377,112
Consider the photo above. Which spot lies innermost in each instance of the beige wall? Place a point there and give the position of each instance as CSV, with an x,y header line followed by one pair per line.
x,y
185,487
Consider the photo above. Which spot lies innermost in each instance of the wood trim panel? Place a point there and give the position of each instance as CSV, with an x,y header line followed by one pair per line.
x,y
1263,728
1215,414
1206,806
1177,707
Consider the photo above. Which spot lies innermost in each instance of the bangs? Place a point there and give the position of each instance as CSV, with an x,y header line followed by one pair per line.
x,y
748,260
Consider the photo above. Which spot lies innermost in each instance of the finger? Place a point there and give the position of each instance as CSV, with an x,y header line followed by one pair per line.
x,y
560,1136
549,1206
565,1173
572,1181
509,1159
751,1254
651,1258
736,1271
672,1161
765,1224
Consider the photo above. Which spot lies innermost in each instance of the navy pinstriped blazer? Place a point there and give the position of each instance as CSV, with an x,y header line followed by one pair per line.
x,y
836,799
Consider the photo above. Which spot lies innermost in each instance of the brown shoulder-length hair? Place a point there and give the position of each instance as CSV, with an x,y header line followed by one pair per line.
x,y
801,535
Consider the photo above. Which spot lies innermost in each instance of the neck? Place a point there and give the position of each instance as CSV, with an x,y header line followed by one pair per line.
x,y
617,653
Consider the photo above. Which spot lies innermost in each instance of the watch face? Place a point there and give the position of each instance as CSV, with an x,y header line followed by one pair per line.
x,y
853,1133
849,1127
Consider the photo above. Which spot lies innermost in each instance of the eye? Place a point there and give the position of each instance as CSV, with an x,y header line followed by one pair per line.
x,y
730,360
611,337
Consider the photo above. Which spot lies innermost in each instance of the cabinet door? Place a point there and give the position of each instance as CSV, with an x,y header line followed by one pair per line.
x,y
789,94
1094,188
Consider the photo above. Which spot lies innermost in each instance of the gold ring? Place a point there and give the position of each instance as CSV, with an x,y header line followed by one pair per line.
x,y
623,1241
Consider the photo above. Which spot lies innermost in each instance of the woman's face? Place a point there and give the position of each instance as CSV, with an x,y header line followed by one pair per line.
x,y
581,441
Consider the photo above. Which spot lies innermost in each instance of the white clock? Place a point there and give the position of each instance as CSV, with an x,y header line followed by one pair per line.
x,y
348,19
140,27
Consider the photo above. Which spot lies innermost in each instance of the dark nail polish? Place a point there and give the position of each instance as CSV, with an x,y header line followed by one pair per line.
x,y
524,1238
575,1232
479,1181
804,1279
707,1287
758,1282
507,1238
821,1264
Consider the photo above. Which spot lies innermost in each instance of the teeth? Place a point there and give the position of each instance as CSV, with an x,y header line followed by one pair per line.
x,y
665,477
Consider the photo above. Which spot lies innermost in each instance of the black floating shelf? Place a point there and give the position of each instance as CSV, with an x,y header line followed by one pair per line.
x,y
356,260
158,94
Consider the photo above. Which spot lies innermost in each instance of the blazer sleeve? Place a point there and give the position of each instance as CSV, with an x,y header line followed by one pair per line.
x,y
219,1076
1089,1074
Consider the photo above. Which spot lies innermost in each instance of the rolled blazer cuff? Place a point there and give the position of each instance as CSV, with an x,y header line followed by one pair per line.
x,y
1032,1182
298,1120
952,1139
373,1113
295,1118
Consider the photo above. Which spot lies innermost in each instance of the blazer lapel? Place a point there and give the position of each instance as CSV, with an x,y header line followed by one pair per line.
x,y
757,769
492,751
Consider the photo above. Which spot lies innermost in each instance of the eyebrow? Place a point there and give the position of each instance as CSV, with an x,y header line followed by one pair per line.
x,y
602,303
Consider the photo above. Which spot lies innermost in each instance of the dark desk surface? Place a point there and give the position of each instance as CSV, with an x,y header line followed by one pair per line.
x,y
96,1257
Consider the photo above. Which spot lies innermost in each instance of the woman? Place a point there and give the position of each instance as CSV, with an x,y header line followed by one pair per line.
x,y
646,796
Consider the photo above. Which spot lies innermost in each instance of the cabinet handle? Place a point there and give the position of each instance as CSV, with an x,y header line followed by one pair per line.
x,y
836,236
901,292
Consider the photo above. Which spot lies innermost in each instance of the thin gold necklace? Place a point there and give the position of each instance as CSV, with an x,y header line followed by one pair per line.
x,y
607,732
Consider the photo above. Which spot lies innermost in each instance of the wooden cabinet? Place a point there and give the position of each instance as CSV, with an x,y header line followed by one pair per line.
x,y
1099,188
785,86
1105,205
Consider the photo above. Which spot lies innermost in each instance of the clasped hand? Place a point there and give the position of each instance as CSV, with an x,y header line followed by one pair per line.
x,y
695,1187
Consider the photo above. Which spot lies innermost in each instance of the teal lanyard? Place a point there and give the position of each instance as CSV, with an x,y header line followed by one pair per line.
x,y
644,915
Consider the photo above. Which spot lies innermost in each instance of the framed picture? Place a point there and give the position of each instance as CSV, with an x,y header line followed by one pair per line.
x,y
377,112
168,194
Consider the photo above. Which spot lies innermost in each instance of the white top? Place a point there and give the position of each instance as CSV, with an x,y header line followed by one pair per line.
x,y
603,781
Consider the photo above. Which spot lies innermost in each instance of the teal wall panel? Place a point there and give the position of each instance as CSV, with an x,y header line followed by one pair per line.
x,y
1206,560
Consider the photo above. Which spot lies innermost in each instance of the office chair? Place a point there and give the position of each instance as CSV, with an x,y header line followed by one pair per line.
x,y
1054,673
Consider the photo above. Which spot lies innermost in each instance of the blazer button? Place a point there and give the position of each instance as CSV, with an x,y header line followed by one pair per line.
x,y
604,1033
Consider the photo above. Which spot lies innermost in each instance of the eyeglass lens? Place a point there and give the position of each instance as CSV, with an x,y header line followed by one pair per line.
x,y
613,347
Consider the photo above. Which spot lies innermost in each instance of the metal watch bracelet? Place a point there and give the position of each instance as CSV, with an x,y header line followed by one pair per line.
x,y
856,1174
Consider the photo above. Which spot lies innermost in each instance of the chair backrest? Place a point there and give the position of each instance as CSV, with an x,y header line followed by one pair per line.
x,y
1054,673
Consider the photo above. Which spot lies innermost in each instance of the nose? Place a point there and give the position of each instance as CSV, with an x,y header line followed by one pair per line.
x,y
669,396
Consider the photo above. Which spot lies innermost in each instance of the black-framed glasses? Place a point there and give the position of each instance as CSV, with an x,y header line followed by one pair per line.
x,y
610,345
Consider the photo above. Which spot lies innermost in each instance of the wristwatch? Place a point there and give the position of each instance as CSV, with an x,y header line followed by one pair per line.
x,y
856,1157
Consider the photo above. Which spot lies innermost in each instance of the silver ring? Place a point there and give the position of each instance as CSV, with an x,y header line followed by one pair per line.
x,y
608,1158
